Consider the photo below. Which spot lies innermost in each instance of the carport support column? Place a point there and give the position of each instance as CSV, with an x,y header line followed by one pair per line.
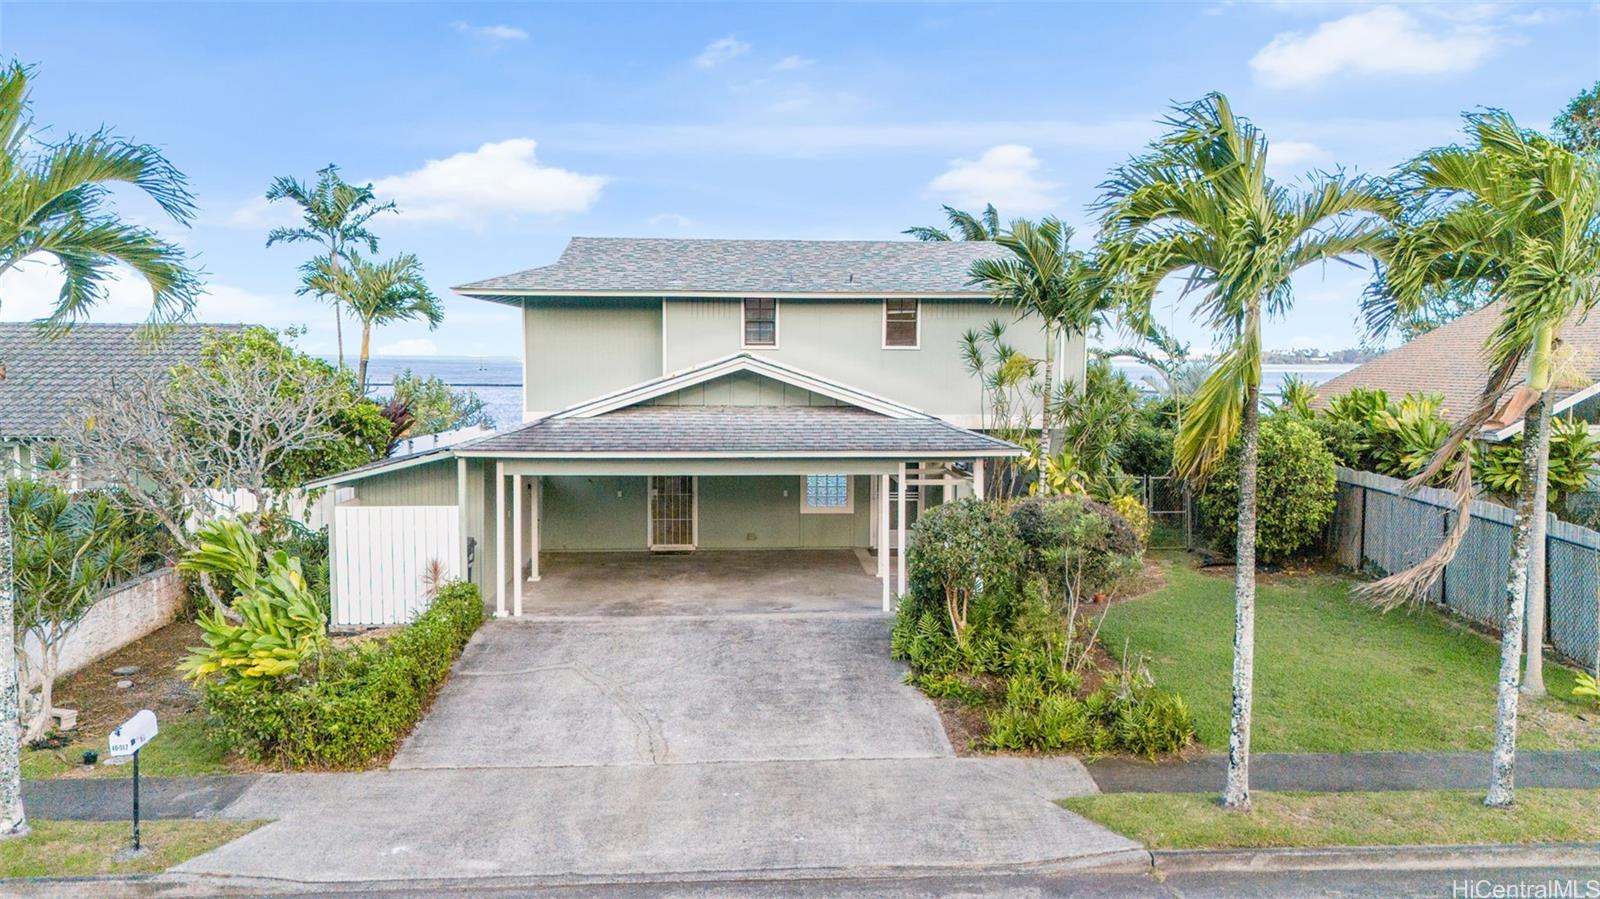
x,y
533,522
499,539
900,525
883,541
516,545
978,486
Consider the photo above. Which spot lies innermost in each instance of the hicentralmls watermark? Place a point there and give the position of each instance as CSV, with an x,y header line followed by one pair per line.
x,y
1571,888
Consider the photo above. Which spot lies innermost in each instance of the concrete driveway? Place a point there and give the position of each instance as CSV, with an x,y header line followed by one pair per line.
x,y
672,747
674,690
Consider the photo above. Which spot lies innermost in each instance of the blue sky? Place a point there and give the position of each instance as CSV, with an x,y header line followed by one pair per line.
x,y
503,129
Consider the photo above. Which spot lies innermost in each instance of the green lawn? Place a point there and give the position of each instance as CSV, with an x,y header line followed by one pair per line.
x,y
78,848
1400,818
183,748
1333,675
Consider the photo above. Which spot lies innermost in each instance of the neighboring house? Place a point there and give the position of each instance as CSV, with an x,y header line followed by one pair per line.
x,y
1451,361
696,394
45,375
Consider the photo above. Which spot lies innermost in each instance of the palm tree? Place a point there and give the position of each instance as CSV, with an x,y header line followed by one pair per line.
x,y
1515,216
983,226
335,217
56,202
1199,202
1044,277
377,294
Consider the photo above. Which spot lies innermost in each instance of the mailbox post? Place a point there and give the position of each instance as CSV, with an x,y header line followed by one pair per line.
x,y
128,739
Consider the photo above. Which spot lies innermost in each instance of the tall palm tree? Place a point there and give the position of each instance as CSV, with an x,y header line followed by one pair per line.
x,y
1199,202
1517,217
1046,278
335,216
377,293
964,225
55,203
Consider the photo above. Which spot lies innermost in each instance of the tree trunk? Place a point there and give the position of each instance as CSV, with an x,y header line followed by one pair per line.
x,y
338,331
13,820
1052,434
1533,673
1236,795
1505,719
366,343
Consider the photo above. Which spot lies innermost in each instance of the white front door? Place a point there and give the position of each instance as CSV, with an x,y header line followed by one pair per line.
x,y
674,522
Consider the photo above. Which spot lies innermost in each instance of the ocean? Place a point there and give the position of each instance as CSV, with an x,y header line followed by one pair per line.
x,y
498,379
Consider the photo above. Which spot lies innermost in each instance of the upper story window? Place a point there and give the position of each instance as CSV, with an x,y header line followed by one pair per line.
x,y
901,324
760,321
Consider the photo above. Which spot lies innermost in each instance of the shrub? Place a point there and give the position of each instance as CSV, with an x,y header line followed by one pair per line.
x,y
366,698
1141,720
281,624
1073,537
1294,491
1147,450
964,557
1135,514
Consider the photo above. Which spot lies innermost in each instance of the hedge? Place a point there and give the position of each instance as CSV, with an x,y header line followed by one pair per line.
x,y
362,700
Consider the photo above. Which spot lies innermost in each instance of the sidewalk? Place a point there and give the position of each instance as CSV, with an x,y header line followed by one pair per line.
x,y
1336,772
111,799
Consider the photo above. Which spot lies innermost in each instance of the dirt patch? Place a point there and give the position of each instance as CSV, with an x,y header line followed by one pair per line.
x,y
157,686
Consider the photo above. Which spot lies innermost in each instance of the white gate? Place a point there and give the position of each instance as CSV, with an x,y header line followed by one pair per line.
x,y
381,556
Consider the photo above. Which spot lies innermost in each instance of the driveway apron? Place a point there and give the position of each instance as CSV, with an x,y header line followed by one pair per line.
x,y
669,747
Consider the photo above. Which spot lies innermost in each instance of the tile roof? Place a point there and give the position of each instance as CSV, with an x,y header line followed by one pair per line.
x,y
45,375
1451,360
666,265
648,431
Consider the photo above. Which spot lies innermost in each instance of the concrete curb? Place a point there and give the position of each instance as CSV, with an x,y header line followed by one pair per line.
x,y
1326,858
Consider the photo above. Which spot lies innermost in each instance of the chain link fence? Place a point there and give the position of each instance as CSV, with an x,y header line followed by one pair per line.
x,y
1380,528
1167,499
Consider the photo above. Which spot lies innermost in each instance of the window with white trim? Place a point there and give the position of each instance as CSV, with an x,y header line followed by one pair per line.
x,y
901,328
760,322
825,493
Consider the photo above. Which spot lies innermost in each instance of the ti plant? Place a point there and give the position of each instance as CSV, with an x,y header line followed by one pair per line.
x,y
281,622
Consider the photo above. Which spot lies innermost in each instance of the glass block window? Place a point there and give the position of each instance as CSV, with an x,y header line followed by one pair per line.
x,y
900,323
760,321
827,493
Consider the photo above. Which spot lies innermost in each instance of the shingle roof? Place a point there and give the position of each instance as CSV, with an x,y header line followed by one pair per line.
x,y
45,375
647,431
1451,360
664,265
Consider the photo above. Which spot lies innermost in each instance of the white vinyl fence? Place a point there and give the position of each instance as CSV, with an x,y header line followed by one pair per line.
x,y
381,556
1380,528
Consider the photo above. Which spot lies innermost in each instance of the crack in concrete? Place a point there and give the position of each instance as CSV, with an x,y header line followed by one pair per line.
x,y
645,726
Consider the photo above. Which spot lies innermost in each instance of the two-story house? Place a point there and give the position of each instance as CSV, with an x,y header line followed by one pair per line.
x,y
683,395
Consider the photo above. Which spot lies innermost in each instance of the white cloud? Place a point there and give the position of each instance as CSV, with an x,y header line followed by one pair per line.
x,y
1287,158
416,346
1006,175
258,212
1384,40
502,177
670,219
790,63
491,32
29,292
720,51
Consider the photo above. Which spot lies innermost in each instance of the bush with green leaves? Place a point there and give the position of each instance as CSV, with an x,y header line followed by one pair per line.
x,y
1074,543
272,627
1573,455
963,557
364,701
68,550
1295,490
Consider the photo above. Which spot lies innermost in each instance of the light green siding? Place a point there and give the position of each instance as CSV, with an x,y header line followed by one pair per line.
x,y
743,389
576,350
429,484
587,513
843,340
579,348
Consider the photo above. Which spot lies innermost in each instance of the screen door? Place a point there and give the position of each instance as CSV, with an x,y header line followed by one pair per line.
x,y
672,512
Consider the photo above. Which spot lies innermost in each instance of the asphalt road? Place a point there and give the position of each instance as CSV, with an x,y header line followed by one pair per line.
x,y
1223,885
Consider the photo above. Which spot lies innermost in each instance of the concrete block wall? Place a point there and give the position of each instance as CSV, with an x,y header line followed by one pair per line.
x,y
129,611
